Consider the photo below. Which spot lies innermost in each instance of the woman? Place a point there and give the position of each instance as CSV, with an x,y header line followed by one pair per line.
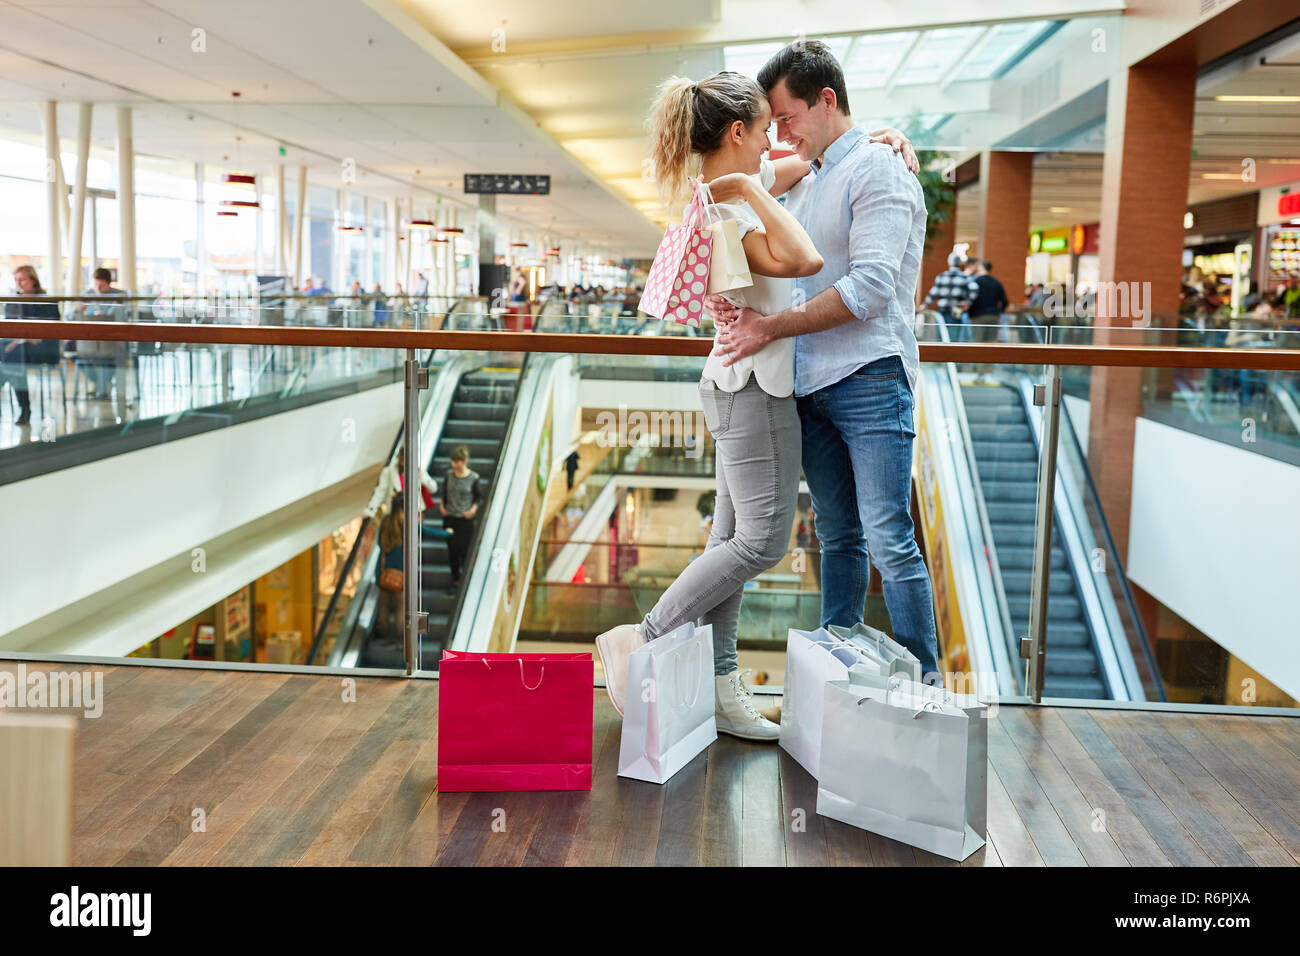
x,y
17,354
388,612
719,126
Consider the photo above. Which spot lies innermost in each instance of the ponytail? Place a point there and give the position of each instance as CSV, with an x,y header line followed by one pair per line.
x,y
690,119
672,120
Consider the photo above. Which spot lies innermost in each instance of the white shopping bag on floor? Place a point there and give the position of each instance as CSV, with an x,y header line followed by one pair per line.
x,y
909,762
812,659
893,657
668,715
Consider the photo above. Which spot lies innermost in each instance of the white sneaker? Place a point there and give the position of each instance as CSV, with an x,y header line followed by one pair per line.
x,y
734,711
615,648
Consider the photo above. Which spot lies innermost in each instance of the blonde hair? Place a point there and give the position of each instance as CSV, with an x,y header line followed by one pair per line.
x,y
30,271
689,119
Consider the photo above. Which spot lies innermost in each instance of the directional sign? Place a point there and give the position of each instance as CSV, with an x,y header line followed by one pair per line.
x,y
515,184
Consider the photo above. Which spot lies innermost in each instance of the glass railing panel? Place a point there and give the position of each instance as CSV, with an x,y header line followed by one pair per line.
x,y
1178,555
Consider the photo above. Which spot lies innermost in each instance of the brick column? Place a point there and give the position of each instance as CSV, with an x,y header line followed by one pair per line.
x,y
1008,180
1145,174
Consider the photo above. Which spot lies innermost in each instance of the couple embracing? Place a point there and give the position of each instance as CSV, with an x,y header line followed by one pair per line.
x,y
815,364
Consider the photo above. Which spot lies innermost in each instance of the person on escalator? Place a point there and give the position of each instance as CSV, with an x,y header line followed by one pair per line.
x,y
390,484
461,498
389,574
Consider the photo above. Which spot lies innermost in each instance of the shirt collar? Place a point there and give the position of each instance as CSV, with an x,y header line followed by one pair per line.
x,y
840,148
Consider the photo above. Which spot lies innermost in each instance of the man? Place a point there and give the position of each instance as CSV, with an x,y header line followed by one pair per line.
x,y
856,358
952,292
990,299
104,361
990,303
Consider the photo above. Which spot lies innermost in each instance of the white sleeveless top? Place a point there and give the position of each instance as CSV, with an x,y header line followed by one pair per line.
x,y
773,365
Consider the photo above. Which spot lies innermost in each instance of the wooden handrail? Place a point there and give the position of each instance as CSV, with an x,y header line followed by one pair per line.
x,y
1115,356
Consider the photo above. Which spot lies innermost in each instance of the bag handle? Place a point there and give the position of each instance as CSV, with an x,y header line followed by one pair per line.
x,y
522,679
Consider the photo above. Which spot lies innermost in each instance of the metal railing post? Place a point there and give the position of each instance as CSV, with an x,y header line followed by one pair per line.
x,y
1034,647
416,379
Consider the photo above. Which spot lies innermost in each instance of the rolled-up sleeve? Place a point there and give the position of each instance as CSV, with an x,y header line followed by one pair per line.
x,y
881,209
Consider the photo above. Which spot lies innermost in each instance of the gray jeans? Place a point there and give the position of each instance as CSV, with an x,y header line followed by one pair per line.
x,y
757,443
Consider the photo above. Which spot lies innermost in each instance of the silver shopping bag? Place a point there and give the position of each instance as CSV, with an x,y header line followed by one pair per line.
x,y
909,762
668,716
811,659
891,656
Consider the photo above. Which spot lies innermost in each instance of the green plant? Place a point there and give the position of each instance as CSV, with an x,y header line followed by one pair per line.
x,y
940,193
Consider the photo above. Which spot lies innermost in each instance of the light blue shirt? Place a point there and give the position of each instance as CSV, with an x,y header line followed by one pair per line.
x,y
865,213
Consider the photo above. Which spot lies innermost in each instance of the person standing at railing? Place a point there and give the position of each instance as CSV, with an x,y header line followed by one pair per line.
x,y
990,303
462,495
382,311
17,354
105,362
952,292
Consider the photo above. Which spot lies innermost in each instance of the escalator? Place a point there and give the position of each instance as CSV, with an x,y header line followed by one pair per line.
x,y
1006,457
479,417
980,437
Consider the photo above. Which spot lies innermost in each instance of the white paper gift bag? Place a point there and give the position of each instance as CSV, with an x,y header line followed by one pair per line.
x,y
668,716
728,265
892,656
909,762
812,659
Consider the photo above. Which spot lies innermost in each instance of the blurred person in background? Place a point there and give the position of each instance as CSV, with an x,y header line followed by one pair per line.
x,y
17,354
104,361
388,610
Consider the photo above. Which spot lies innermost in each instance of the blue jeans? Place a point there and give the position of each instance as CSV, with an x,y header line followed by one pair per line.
x,y
857,459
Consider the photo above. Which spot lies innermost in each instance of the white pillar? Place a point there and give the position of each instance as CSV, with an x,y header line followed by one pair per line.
x,y
368,277
281,221
200,234
127,277
393,212
76,275
54,271
299,215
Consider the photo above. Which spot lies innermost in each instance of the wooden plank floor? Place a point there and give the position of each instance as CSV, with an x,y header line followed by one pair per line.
x,y
189,767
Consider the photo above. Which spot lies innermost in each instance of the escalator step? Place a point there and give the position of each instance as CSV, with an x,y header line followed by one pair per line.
x,y
1008,471
1071,662
463,411
1008,512
487,394
1082,687
1003,451
1014,557
1059,633
471,428
988,395
1000,433
1019,581
994,414
1007,536
1020,491
1062,607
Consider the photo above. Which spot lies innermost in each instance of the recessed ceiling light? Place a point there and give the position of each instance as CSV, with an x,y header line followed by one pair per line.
x,y
1258,99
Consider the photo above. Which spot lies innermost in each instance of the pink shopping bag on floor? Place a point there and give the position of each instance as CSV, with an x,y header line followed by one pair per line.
x,y
679,275
514,721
